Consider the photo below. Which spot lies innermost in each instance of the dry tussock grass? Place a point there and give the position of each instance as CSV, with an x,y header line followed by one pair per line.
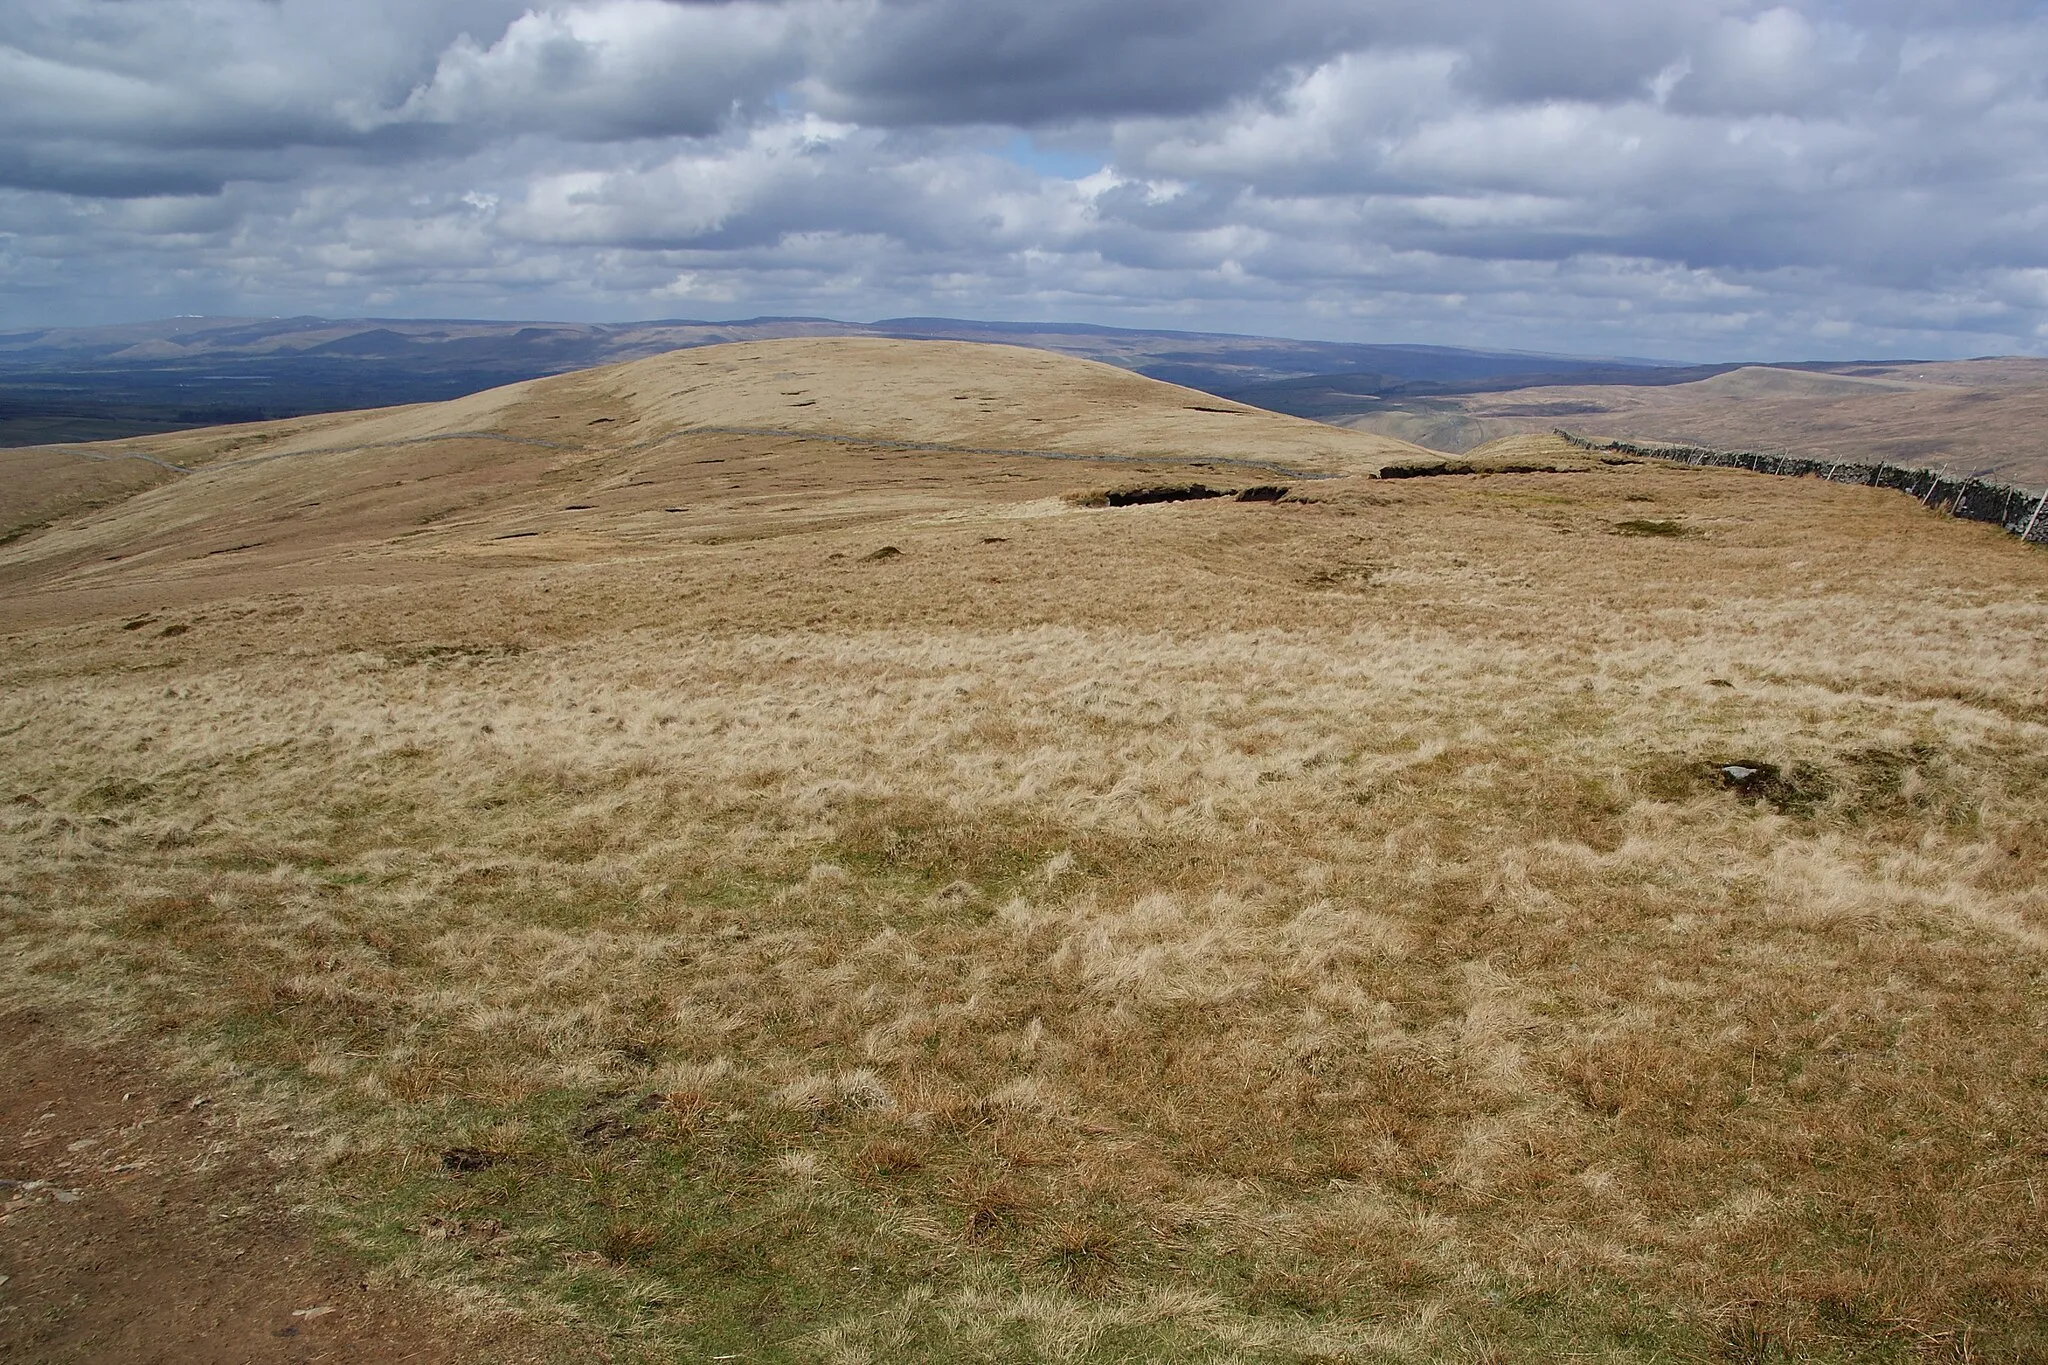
x,y
1208,931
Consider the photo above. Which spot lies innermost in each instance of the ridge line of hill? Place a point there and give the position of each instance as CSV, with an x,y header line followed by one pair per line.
x,y
60,384
993,411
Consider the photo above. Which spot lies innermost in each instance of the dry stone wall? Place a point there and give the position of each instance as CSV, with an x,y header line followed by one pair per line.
x,y
2023,513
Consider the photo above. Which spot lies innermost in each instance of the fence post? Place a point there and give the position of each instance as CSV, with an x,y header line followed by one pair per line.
x,y
2027,534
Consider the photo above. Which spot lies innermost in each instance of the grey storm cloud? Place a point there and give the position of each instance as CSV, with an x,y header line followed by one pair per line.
x,y
1691,177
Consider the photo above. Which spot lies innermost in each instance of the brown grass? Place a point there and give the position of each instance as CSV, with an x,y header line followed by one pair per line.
x,y
1966,416
1097,933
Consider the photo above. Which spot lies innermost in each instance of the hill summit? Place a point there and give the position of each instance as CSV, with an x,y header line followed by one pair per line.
x,y
641,450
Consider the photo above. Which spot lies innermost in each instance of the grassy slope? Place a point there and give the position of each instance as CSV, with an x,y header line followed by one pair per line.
x,y
1970,416
1287,932
635,453
47,484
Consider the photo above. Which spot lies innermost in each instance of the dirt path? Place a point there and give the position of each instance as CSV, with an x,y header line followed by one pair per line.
x,y
136,1225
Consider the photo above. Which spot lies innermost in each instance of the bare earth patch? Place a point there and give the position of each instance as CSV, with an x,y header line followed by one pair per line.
x,y
142,1222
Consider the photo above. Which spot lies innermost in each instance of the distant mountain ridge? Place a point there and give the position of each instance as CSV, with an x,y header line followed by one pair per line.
x,y
94,383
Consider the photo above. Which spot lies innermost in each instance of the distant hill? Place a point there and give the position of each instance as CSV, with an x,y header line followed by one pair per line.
x,y
1984,417
642,443
97,383
62,385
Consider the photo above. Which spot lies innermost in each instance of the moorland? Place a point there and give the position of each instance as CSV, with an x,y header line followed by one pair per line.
x,y
866,850
1971,417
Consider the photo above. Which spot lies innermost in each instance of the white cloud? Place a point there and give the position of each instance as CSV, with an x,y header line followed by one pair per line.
x,y
1765,63
614,70
1692,177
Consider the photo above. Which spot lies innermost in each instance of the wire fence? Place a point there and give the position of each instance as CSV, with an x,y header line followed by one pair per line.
x,y
1973,499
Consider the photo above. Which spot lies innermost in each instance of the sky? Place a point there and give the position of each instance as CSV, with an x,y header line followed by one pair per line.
x,y
1684,179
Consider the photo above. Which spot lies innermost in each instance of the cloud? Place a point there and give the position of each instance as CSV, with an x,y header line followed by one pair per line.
x,y
617,70
1695,177
1027,63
